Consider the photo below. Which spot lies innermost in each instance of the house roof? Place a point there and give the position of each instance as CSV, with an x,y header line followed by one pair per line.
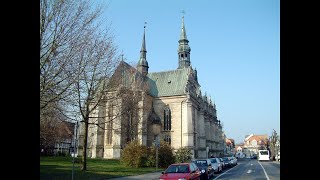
x,y
228,141
262,138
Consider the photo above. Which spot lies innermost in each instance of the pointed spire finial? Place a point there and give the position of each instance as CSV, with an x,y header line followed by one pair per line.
x,y
143,47
143,63
183,34
122,55
183,12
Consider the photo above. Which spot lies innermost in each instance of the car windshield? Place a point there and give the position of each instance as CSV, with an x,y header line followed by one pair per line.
x,y
225,159
213,161
201,163
264,152
178,169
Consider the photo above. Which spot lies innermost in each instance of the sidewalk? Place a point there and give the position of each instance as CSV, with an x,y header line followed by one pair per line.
x,y
149,176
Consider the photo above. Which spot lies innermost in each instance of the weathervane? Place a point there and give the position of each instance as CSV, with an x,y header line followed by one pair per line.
x,y
145,23
183,12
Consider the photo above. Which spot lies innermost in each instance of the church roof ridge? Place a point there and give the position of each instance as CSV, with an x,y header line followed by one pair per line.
x,y
164,71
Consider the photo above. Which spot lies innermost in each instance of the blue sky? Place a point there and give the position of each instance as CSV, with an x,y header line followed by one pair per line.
x,y
235,47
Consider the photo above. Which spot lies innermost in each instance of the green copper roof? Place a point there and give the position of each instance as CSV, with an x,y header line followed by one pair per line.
x,y
168,83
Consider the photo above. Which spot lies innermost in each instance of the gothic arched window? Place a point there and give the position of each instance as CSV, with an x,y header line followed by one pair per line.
x,y
167,119
167,139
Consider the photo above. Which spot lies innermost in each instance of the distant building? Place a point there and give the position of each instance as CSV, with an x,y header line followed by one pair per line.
x,y
255,142
240,151
229,148
63,140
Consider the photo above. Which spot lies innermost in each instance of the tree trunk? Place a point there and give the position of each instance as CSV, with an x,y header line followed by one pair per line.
x,y
85,144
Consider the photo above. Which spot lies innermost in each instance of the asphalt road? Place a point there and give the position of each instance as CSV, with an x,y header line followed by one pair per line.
x,y
251,169
247,169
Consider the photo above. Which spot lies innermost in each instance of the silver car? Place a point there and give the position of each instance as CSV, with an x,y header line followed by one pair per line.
x,y
216,165
222,163
233,160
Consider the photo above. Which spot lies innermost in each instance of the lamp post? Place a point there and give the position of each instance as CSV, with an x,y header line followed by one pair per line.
x,y
74,147
156,126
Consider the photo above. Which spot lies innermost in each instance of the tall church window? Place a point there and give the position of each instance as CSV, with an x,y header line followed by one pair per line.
x,y
167,119
109,125
194,128
167,139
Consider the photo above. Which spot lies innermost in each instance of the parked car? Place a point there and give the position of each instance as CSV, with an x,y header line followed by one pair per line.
x,y
206,169
222,163
227,162
216,165
254,156
233,161
185,171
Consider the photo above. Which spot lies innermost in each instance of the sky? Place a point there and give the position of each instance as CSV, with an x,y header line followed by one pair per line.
x,y
235,47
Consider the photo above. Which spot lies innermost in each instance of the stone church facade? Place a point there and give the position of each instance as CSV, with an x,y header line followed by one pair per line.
x,y
137,99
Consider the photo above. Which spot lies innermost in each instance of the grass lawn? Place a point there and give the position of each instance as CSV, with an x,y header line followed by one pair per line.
x,y
56,168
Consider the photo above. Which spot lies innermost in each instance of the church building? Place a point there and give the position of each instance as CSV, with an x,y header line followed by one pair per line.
x,y
147,106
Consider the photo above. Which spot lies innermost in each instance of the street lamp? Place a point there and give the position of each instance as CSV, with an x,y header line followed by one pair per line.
x,y
74,147
156,127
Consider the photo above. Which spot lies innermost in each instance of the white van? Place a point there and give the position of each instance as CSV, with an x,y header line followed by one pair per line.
x,y
263,155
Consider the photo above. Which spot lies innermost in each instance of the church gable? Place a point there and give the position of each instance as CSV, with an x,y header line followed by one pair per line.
x,y
125,76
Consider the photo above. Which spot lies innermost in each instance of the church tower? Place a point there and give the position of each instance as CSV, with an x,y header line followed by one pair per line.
x,y
142,66
183,49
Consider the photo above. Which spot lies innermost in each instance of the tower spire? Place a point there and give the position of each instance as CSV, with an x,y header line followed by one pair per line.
x,y
183,34
183,49
143,63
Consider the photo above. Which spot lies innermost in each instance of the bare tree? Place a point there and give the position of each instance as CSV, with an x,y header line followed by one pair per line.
x,y
97,62
273,139
132,120
65,27
77,57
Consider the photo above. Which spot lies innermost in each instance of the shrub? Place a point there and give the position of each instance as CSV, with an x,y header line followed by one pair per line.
x,y
165,155
134,155
151,160
183,155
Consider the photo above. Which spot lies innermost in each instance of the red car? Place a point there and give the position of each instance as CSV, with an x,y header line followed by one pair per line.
x,y
179,171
